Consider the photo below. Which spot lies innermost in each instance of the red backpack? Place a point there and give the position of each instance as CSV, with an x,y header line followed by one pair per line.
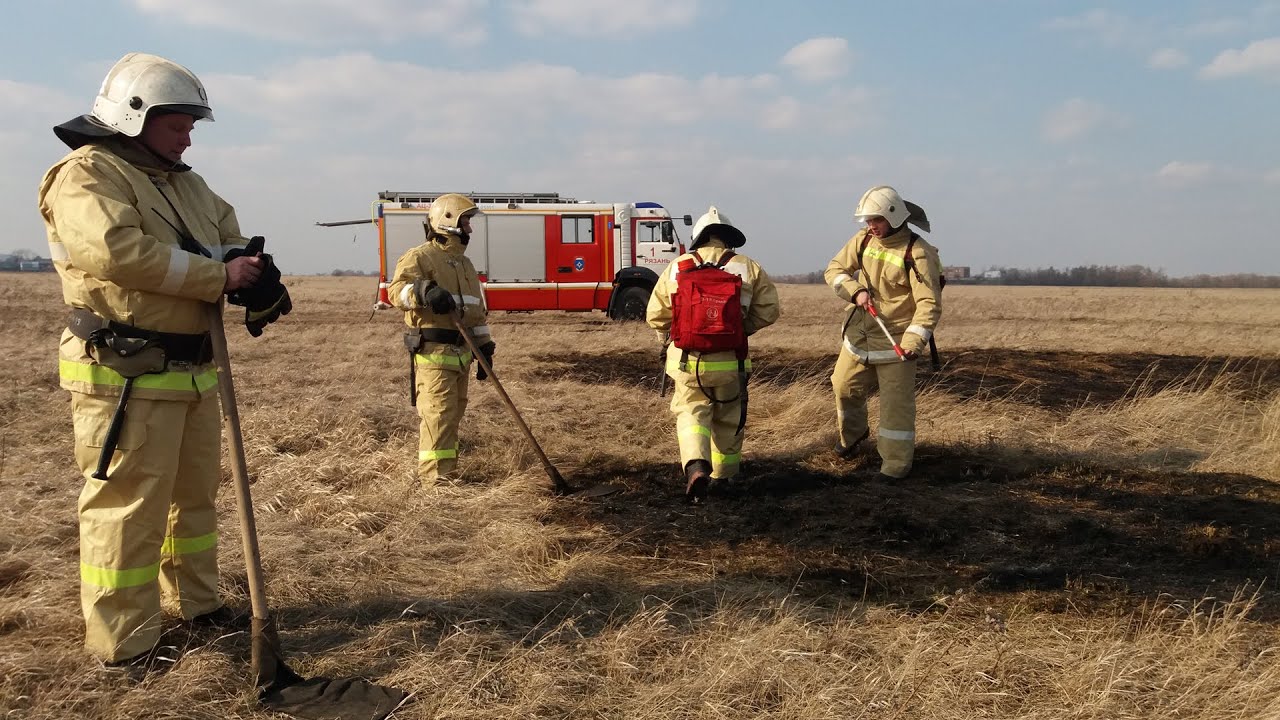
x,y
707,308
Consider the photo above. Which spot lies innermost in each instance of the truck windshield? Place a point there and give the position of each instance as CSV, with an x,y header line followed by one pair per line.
x,y
656,231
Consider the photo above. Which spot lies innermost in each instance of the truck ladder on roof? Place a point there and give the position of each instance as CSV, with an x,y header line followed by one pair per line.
x,y
478,197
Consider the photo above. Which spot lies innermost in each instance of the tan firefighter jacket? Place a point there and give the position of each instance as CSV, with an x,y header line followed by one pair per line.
x,y
909,306
760,309
110,214
441,259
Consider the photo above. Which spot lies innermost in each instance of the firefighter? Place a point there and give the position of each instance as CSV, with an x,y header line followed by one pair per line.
x,y
890,267
709,396
436,284
143,247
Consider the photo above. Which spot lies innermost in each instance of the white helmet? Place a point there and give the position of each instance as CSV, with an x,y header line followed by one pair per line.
x,y
723,227
447,211
885,202
139,83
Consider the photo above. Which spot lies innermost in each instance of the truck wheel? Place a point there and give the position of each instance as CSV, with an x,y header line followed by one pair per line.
x,y
632,303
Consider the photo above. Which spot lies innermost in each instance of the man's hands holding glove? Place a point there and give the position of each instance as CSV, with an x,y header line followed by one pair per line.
x,y
435,297
441,302
267,299
486,350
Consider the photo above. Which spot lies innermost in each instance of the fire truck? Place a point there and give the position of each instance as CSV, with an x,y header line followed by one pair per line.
x,y
541,251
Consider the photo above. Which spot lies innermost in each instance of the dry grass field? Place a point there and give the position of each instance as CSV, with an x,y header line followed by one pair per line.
x,y
1092,531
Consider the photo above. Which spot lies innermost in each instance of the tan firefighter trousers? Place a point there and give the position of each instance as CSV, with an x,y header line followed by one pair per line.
x,y
442,399
707,430
151,527
853,383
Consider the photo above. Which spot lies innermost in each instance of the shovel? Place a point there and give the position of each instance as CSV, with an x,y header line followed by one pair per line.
x,y
559,485
279,688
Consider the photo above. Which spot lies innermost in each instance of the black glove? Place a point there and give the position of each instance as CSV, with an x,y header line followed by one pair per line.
x,y
268,299
487,351
266,291
437,298
256,318
252,248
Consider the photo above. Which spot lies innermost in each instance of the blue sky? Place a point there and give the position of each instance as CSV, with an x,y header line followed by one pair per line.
x,y
1033,133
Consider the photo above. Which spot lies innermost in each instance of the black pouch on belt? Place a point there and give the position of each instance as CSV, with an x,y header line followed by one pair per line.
x,y
131,357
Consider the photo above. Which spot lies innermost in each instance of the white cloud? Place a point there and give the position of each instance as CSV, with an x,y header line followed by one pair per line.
x,y
358,94
1261,57
28,133
1217,26
818,59
319,22
1167,59
1110,28
1077,117
595,17
781,114
1184,174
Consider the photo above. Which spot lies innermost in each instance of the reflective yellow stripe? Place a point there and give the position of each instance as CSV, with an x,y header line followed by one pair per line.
x,y
702,366
186,546
108,578
440,359
886,256
102,375
696,430
437,454
722,459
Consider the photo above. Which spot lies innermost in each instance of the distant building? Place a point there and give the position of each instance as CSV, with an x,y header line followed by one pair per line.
x,y
19,263
36,265
992,275
956,272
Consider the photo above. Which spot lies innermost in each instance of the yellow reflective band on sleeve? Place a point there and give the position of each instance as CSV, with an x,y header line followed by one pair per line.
x,y
885,256
722,459
702,366
108,578
441,360
438,454
186,546
102,375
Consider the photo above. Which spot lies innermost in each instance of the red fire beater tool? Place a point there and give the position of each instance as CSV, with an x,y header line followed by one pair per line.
x,y
871,310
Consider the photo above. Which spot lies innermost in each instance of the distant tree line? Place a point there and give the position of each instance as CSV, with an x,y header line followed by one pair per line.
x,y
1127,276
352,273
1091,275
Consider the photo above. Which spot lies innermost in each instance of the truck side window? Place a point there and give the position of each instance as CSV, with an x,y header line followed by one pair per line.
x,y
577,230
648,232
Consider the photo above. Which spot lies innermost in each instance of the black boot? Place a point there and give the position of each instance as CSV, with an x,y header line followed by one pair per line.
x,y
697,476
850,452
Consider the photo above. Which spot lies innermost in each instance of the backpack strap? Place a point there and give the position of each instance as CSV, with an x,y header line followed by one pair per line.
x,y
908,260
724,259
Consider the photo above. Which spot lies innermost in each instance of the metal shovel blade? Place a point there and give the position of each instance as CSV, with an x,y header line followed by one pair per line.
x,y
599,491
284,691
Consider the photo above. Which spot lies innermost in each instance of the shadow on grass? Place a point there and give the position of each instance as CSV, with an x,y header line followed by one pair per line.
x,y
1052,534
1046,379
1079,534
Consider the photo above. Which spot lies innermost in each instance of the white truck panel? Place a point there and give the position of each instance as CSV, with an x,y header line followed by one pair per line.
x,y
478,245
517,248
404,231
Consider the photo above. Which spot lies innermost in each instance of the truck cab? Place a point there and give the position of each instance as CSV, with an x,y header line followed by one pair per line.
x,y
540,251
